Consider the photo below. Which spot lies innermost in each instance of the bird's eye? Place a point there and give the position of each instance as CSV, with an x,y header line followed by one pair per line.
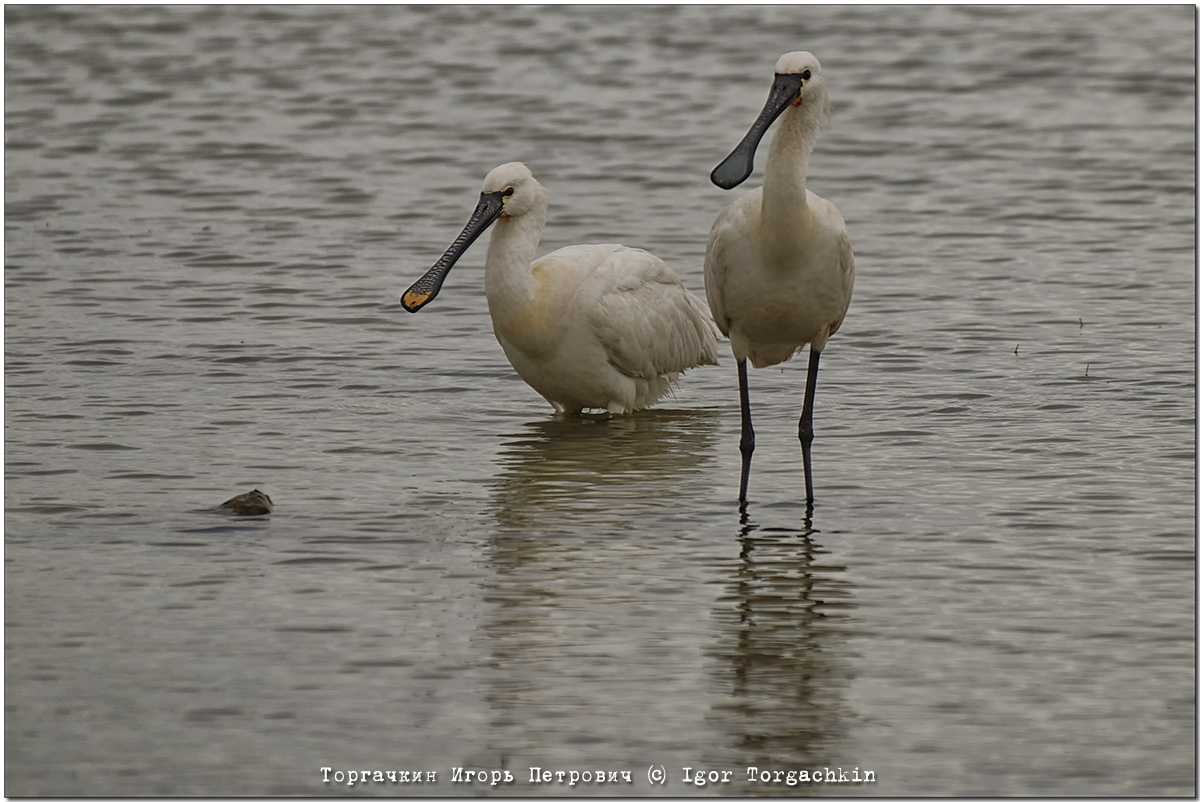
x,y
806,74
508,192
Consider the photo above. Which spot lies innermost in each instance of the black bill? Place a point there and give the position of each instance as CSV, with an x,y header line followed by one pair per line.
x,y
426,288
738,165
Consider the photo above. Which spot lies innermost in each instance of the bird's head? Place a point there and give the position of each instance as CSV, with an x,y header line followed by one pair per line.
x,y
509,191
798,87
802,69
519,192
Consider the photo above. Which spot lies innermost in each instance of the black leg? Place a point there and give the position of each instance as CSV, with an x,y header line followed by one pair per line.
x,y
806,426
747,443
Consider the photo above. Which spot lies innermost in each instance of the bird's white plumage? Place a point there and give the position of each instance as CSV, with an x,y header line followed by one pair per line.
x,y
796,62
779,269
587,326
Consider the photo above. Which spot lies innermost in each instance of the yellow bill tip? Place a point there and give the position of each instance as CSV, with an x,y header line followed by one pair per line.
x,y
412,301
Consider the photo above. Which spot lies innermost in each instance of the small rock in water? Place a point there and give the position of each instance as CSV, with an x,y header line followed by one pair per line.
x,y
255,502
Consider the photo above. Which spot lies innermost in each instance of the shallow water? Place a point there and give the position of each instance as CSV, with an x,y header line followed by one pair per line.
x,y
211,213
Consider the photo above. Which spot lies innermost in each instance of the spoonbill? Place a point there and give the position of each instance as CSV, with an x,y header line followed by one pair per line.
x,y
587,326
779,268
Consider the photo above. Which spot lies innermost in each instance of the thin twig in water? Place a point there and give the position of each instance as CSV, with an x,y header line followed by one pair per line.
x,y
1086,368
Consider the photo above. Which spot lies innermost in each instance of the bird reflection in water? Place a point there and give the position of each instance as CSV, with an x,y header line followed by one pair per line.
x,y
780,654
592,518
564,473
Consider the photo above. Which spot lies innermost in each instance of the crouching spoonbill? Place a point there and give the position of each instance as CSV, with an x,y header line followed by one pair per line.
x,y
779,269
587,326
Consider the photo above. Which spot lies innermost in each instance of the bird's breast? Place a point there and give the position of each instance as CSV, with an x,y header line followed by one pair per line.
x,y
789,297
527,317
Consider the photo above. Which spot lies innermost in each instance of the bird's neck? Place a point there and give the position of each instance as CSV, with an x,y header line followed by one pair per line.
x,y
511,251
785,183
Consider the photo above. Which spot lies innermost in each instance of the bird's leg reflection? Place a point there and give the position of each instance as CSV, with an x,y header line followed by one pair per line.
x,y
781,644
746,525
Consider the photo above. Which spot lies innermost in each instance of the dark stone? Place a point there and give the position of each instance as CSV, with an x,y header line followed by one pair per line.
x,y
255,502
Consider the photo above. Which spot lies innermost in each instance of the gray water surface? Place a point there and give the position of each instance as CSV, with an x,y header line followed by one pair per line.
x,y
210,215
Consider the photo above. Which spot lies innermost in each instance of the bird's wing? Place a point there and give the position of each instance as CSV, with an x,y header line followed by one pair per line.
x,y
846,263
723,241
646,320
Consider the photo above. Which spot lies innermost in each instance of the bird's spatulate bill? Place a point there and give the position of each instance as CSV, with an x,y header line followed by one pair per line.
x,y
426,288
738,165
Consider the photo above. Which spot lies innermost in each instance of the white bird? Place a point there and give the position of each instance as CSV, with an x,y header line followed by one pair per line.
x,y
588,326
779,269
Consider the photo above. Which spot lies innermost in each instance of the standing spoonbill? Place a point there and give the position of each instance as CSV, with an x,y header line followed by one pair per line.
x,y
588,326
779,269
